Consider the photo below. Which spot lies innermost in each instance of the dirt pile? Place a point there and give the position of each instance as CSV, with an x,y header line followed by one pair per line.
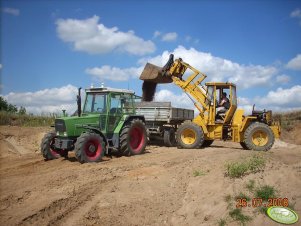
x,y
148,90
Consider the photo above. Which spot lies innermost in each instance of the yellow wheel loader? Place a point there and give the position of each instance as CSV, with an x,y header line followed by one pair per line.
x,y
256,131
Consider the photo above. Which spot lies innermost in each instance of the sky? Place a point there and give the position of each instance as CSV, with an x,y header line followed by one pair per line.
x,y
50,48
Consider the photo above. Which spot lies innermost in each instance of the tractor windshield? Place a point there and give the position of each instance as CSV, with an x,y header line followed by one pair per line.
x,y
95,103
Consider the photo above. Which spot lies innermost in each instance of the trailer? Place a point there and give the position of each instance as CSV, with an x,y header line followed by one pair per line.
x,y
162,120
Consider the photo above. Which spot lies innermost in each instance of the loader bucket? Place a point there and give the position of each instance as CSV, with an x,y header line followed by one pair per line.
x,y
153,73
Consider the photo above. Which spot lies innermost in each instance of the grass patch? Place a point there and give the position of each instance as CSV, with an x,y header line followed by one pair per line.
x,y
265,192
239,169
14,119
242,196
237,215
198,173
222,222
288,120
263,209
250,185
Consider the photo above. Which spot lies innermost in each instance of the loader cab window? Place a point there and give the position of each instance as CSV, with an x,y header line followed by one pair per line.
x,y
234,97
95,103
210,92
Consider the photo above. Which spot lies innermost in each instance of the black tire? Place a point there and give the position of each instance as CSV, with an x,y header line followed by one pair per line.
x,y
169,137
255,134
244,146
207,143
193,135
133,138
48,150
89,147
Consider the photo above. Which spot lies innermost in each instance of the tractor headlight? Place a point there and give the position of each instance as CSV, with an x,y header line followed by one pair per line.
x,y
65,134
57,133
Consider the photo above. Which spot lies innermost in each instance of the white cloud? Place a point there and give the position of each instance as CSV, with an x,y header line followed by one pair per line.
x,y
219,69
296,14
295,63
156,34
11,11
107,72
181,100
282,98
46,101
283,78
95,38
168,37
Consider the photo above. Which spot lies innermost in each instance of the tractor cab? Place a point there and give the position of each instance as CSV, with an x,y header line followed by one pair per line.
x,y
222,102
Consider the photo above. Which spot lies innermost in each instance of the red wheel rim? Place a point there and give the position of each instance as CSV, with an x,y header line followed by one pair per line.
x,y
136,139
54,152
93,149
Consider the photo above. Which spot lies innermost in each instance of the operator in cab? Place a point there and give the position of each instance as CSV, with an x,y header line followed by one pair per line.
x,y
223,105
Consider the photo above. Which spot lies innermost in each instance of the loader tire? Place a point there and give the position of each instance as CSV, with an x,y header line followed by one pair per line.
x,y
244,146
89,147
207,143
259,137
133,138
48,150
169,137
190,135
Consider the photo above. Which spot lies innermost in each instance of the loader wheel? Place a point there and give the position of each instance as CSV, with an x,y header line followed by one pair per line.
x,y
244,146
207,143
89,147
190,135
133,138
169,137
259,137
48,150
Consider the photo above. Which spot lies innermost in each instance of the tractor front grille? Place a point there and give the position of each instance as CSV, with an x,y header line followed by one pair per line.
x,y
60,125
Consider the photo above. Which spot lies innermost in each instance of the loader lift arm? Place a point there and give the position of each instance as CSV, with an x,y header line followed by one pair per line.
x,y
190,86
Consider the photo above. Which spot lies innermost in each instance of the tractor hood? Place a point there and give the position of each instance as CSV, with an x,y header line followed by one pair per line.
x,y
73,126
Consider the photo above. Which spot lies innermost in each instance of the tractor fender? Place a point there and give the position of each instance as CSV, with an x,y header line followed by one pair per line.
x,y
131,117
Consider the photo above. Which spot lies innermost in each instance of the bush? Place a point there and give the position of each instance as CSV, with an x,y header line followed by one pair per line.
x,y
239,169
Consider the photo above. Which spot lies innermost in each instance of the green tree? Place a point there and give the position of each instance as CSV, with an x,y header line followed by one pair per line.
x,y
22,110
3,104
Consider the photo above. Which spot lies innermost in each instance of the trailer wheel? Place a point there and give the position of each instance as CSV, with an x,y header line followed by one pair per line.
x,y
190,135
89,147
133,138
169,137
48,150
259,137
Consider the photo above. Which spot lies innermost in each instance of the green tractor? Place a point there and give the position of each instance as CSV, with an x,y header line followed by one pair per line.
x,y
108,123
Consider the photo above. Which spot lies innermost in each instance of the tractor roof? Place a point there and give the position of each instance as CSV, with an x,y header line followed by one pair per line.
x,y
220,84
108,89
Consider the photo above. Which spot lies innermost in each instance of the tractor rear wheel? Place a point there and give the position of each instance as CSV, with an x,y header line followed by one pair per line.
x,y
190,135
169,137
133,138
89,147
48,150
259,137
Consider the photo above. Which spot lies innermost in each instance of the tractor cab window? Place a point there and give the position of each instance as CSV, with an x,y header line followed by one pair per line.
x,y
234,98
115,104
95,103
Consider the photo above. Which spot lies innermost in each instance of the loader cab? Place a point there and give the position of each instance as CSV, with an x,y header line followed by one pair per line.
x,y
215,92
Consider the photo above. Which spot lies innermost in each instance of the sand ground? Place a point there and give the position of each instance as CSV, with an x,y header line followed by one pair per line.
x,y
156,188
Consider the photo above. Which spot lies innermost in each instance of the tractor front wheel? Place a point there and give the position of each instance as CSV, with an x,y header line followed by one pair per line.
x,y
133,138
48,149
259,137
190,135
89,147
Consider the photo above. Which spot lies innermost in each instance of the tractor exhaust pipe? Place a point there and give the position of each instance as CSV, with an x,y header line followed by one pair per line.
x,y
79,103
